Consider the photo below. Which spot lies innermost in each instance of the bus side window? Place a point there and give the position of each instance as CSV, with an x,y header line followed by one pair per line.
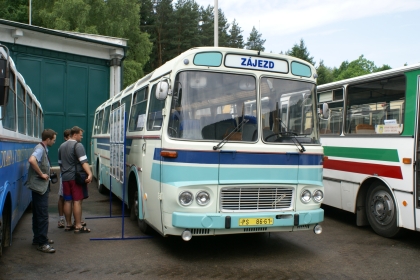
x,y
127,101
99,119
154,116
376,105
138,110
30,116
105,124
9,120
21,108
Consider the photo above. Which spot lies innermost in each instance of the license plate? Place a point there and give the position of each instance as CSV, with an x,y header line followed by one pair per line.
x,y
255,221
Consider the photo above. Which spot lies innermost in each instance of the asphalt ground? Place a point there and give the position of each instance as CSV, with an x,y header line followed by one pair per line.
x,y
342,251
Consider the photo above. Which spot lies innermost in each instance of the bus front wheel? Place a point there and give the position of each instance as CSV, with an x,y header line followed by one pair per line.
x,y
144,227
381,211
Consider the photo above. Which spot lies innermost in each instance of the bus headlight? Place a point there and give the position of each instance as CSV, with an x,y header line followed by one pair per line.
x,y
202,198
305,196
185,198
318,195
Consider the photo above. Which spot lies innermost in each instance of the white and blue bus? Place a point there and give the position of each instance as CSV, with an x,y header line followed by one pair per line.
x,y
21,123
218,141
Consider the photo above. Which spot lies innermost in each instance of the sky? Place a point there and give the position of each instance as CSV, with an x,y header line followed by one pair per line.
x,y
384,31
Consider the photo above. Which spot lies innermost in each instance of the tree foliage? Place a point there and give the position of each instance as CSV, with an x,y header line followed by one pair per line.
x,y
300,51
236,40
159,30
254,41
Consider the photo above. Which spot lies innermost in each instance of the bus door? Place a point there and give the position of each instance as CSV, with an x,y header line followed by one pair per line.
x,y
151,168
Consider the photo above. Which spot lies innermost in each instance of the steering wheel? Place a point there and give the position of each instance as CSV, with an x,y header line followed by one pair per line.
x,y
174,130
280,134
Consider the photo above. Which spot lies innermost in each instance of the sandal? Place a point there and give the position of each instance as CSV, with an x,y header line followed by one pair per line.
x,y
82,230
69,228
61,223
82,223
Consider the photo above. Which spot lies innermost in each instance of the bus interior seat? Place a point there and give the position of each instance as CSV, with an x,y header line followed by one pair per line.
x,y
224,124
267,132
365,129
190,129
174,122
249,129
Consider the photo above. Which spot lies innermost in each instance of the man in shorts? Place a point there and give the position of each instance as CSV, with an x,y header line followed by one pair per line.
x,y
61,221
72,159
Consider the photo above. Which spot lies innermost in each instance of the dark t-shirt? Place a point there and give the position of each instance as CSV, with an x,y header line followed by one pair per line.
x,y
67,159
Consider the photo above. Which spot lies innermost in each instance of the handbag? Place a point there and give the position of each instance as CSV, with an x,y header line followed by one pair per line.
x,y
81,176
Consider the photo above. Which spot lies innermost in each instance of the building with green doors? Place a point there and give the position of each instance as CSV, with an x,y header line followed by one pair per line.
x,y
70,73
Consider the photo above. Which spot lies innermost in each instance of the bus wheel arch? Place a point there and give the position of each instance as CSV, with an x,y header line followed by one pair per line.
x,y
136,203
381,209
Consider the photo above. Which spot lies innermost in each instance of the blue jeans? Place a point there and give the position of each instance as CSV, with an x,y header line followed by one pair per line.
x,y
40,217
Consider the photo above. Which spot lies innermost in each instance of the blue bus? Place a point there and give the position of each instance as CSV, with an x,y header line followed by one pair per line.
x,y
21,123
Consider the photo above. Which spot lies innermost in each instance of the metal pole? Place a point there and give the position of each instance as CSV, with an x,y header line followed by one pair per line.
x,y
30,12
216,24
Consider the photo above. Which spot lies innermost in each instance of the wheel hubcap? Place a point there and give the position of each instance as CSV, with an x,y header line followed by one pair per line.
x,y
382,208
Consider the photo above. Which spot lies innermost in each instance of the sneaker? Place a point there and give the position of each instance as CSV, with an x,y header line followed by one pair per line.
x,y
61,223
50,241
46,248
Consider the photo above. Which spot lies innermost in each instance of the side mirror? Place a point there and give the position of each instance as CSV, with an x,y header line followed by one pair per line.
x,y
325,111
162,90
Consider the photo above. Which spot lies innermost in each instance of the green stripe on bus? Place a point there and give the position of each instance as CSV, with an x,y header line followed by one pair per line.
x,y
362,153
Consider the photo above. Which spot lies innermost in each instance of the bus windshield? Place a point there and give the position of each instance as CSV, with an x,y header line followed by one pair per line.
x,y
215,106
287,111
209,106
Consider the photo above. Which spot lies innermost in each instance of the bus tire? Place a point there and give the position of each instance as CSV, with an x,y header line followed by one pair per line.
x,y
381,211
144,227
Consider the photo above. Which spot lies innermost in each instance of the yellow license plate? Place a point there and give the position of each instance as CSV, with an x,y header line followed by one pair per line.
x,y
255,221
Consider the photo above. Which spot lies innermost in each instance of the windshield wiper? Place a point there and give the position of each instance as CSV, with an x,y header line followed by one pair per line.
x,y
299,145
224,140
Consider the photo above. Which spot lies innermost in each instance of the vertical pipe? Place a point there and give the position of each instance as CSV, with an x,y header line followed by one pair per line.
x,y
216,24
30,12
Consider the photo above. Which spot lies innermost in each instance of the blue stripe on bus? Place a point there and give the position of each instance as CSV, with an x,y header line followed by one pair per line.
x,y
242,158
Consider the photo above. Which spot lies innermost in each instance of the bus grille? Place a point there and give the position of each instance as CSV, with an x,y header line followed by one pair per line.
x,y
248,199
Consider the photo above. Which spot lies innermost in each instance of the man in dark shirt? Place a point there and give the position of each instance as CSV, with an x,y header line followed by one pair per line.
x,y
72,157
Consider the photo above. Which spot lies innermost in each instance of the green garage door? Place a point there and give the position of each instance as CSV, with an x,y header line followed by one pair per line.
x,y
69,92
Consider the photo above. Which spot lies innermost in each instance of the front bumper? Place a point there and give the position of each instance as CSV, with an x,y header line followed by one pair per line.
x,y
231,220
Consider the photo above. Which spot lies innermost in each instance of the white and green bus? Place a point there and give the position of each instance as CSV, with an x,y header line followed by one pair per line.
x,y
218,141
371,145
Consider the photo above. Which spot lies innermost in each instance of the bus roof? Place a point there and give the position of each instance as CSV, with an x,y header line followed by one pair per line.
x,y
371,76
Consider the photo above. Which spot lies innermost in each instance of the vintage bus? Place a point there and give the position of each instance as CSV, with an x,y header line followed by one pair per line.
x,y
21,123
371,144
218,141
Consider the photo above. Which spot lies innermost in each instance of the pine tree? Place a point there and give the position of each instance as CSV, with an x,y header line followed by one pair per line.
x,y
236,40
254,41
301,52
